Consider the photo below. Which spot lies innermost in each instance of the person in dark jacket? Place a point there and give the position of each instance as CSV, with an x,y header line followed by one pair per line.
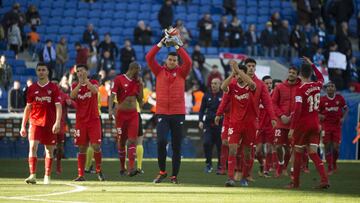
x,y
90,35
142,34
251,41
206,26
283,38
127,55
230,7
236,33
342,10
198,57
15,99
343,41
268,40
224,32
212,132
108,45
297,42
5,73
166,14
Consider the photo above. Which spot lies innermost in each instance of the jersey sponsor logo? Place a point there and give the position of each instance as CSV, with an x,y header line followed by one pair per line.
x,y
36,92
330,109
126,85
84,96
337,102
312,89
49,91
241,97
43,99
298,99
174,74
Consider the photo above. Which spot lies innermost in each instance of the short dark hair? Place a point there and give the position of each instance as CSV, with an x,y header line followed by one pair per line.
x,y
48,40
77,44
292,67
306,70
82,66
172,53
134,64
266,77
33,28
42,64
243,67
250,60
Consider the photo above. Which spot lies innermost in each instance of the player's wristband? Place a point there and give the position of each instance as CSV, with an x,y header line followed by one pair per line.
x,y
177,47
160,44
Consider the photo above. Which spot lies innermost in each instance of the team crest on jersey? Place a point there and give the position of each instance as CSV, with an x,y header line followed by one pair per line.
x,y
36,92
174,74
49,91
126,85
337,102
326,103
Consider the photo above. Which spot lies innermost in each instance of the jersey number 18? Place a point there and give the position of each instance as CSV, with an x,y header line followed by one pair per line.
x,y
314,102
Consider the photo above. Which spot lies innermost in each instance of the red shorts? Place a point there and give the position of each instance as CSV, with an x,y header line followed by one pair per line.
x,y
309,136
224,130
281,136
89,132
265,136
244,134
42,134
127,124
332,135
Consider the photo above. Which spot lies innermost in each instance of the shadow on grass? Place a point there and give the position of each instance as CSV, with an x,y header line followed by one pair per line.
x,y
345,182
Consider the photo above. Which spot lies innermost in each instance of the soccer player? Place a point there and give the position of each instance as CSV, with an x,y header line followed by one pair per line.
x,y
212,132
170,104
223,111
333,110
128,90
87,130
43,108
265,135
304,127
65,102
283,99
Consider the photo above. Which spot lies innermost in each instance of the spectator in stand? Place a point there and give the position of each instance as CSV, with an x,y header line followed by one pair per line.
x,y
14,38
49,57
29,82
336,75
93,55
309,32
2,37
106,63
224,32
5,73
236,33
108,45
304,11
342,10
61,57
358,29
82,54
197,94
104,90
314,46
251,41
283,36
297,42
142,34
127,55
15,98
230,7
33,16
355,70
185,34
343,41
319,58
197,75
206,26
321,32
198,57
33,41
166,14
276,21
12,16
214,73
268,40
90,34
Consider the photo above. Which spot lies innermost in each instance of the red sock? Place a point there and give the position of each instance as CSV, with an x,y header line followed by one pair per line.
x,y
247,167
268,162
231,166
58,159
297,168
335,158
32,164
97,157
122,155
319,166
131,156
329,160
48,164
224,156
81,163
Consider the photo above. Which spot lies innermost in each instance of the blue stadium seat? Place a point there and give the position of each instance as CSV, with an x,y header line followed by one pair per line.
x,y
55,12
133,7
217,2
181,16
179,9
251,3
67,21
251,11
264,11
117,31
205,9
104,30
143,16
118,23
94,21
107,15
193,17
251,19
108,6
131,15
211,51
82,6
119,15
82,14
120,6
80,22
52,29
70,13
95,14
262,19
57,4
65,30
70,149
105,23
44,4
264,3
131,23
287,11
155,8
71,5
276,4
193,9
95,6
286,4
273,10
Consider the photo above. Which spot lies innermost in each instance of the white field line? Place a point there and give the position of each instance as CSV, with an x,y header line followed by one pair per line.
x,y
78,188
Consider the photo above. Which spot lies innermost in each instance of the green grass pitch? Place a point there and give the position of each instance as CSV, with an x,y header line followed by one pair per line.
x,y
195,185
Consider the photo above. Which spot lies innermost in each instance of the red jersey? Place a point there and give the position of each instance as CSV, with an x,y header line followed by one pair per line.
x,y
240,103
332,109
124,87
43,100
87,104
307,102
63,97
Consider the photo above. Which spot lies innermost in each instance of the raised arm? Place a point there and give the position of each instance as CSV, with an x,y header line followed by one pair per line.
x,y
150,58
318,74
242,75
187,63
227,81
